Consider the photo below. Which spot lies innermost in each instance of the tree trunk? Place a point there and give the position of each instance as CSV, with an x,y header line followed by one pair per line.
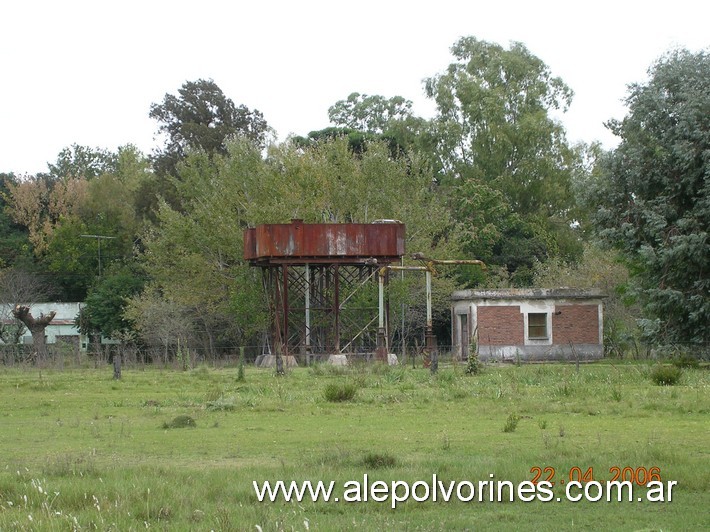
x,y
279,361
36,326
117,365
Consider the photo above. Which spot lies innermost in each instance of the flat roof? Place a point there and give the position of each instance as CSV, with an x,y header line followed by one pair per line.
x,y
528,293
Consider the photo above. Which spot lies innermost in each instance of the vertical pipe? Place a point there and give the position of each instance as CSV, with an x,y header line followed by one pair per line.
x,y
308,309
273,306
455,326
430,339
401,334
286,309
381,282
336,306
428,300
326,296
387,312
381,351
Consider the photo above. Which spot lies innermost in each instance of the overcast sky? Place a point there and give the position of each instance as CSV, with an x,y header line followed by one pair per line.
x,y
86,72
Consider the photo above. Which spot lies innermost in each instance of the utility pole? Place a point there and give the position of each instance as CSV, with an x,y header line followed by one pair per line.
x,y
98,240
117,356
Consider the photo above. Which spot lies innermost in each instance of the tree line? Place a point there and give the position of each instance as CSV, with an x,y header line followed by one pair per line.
x,y
153,243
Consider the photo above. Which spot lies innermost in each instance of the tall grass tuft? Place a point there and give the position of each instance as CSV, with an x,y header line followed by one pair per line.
x,y
340,392
511,423
240,372
686,361
473,366
666,375
180,422
373,460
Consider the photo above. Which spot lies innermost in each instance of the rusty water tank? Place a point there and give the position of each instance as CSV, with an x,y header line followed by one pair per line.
x,y
322,242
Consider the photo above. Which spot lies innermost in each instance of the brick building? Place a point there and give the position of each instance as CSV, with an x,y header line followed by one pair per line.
x,y
528,324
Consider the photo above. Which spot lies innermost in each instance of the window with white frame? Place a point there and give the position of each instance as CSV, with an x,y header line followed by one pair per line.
x,y
537,326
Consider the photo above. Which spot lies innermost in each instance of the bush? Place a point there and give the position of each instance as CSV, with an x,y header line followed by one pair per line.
x,y
473,367
180,422
339,392
511,423
686,360
379,460
666,375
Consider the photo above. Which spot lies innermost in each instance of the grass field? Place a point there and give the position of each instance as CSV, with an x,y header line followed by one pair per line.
x,y
79,450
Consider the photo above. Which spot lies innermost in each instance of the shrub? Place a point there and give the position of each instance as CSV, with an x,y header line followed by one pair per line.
x,y
180,422
379,460
339,392
666,375
473,367
511,423
686,360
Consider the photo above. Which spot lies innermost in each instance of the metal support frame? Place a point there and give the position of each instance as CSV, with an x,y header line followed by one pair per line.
x,y
311,306
319,308
430,346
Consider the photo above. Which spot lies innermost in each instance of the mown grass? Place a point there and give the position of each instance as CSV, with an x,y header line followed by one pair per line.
x,y
81,451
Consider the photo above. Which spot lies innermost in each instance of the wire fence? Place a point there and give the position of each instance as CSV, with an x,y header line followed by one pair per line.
x,y
63,355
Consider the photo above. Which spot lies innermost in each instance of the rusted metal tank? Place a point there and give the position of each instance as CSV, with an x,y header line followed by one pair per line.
x,y
302,242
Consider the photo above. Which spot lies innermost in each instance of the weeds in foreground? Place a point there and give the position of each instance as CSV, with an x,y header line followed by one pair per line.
x,y
222,403
180,422
473,366
511,423
373,460
340,392
401,423
686,361
666,375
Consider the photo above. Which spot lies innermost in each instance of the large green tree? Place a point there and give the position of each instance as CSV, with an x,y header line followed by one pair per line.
x,y
82,161
369,113
363,119
77,225
499,148
655,195
201,117
494,122
103,312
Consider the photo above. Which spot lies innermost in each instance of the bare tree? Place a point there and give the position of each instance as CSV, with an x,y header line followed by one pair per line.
x,y
18,288
36,326
160,322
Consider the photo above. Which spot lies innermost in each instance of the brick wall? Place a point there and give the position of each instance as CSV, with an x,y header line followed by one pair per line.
x,y
578,324
500,326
